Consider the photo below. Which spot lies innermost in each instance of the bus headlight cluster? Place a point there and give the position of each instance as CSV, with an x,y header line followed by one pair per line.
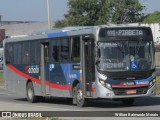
x,y
151,83
108,86
103,83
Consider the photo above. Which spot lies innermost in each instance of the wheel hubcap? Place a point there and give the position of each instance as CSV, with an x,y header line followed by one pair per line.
x,y
30,93
79,95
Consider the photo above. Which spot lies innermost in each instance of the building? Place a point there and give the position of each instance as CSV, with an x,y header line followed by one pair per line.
x,y
13,28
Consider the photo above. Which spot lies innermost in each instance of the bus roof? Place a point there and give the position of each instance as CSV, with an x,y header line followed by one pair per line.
x,y
66,31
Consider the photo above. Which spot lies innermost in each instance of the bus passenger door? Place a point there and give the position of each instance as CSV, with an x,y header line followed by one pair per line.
x,y
88,69
45,89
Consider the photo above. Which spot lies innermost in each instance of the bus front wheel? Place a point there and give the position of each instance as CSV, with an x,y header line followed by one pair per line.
x,y
30,93
79,95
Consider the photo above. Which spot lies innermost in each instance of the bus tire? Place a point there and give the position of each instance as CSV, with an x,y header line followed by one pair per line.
x,y
80,100
41,99
128,101
30,93
74,95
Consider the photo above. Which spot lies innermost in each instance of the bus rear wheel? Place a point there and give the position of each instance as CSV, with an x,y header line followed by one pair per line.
x,y
30,93
79,95
128,101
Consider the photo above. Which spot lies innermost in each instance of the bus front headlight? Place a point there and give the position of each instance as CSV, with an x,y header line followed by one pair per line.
x,y
103,83
108,86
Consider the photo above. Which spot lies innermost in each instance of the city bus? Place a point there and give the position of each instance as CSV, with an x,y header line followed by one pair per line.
x,y
82,63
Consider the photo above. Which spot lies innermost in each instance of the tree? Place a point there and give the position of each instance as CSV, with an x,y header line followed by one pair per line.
x,y
152,18
97,12
82,12
126,11
60,23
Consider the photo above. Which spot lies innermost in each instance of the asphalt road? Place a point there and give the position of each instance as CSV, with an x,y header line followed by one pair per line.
x,y
13,102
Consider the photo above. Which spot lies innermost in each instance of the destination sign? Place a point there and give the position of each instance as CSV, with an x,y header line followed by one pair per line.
x,y
124,32
121,32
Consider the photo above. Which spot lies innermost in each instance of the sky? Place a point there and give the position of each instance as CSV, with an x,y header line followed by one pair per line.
x,y
36,10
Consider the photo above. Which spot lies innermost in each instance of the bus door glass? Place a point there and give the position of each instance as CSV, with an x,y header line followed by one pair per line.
x,y
88,64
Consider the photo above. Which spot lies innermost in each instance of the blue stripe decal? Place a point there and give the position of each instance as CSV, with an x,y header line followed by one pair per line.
x,y
137,82
58,34
69,73
144,81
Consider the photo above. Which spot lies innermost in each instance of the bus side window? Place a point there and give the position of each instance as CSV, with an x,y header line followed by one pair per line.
x,y
35,51
75,54
17,53
64,50
55,47
26,57
9,54
7,57
26,53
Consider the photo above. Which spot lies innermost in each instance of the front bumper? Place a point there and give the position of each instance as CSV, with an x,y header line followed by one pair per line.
x,y
103,92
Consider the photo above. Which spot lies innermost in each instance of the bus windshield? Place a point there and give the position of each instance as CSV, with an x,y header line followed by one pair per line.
x,y
125,55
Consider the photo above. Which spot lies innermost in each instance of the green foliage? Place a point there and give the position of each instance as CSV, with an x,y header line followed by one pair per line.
x,y
60,23
158,79
82,12
152,18
96,12
126,11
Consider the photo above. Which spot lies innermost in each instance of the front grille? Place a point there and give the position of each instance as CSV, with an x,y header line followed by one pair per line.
x,y
124,75
123,91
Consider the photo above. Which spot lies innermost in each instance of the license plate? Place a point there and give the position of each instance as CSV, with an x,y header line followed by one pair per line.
x,y
131,92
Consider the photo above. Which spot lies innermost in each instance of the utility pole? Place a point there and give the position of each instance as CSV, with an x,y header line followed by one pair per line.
x,y
49,16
